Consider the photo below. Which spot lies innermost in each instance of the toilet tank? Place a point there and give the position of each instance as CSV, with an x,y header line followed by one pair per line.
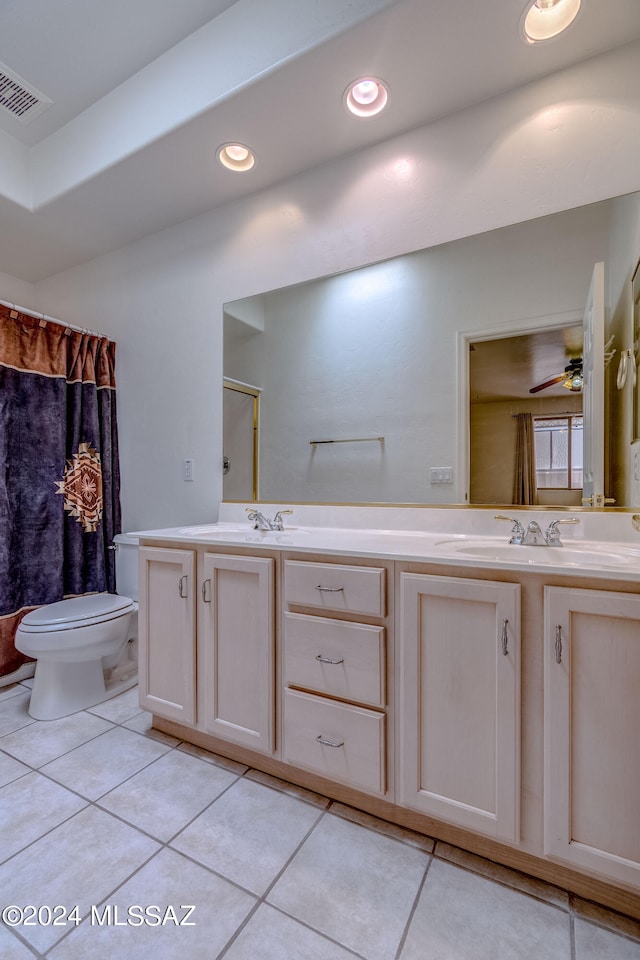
x,y
126,565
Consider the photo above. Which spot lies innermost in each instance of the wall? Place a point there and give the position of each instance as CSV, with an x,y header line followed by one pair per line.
x,y
17,291
493,447
560,143
373,353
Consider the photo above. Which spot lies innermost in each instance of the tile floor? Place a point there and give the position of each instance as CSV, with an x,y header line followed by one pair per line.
x,y
99,812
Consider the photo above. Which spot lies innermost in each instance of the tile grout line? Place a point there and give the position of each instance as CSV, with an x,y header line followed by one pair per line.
x,y
573,914
262,900
414,907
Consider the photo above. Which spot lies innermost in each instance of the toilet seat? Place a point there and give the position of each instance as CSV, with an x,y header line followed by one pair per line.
x,y
76,612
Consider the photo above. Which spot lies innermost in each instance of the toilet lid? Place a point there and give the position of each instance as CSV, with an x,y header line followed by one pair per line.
x,y
78,610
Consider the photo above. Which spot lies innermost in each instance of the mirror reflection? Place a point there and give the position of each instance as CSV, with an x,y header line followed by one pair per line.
x,y
404,381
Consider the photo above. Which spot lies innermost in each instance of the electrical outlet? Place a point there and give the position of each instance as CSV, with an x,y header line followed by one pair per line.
x,y
441,474
187,470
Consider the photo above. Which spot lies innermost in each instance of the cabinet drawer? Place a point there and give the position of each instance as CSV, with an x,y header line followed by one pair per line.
x,y
335,586
353,747
345,660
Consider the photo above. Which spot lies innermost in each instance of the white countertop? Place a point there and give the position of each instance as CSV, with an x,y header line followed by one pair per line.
x,y
445,544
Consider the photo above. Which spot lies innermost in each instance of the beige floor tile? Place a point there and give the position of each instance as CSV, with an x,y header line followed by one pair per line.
x,y
231,765
29,808
44,740
168,880
594,943
11,948
10,768
14,713
511,878
80,862
383,826
461,916
120,708
11,690
166,795
141,723
586,910
269,935
95,768
355,886
248,834
292,789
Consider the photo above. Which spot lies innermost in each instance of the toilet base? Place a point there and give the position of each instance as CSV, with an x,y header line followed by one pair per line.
x,y
61,689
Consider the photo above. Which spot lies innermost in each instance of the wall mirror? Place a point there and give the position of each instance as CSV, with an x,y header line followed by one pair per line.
x,y
384,384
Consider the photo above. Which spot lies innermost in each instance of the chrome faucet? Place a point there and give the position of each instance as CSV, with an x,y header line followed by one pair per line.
x,y
260,522
517,531
533,535
551,535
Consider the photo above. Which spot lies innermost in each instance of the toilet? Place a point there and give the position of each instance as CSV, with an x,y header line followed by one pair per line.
x,y
85,647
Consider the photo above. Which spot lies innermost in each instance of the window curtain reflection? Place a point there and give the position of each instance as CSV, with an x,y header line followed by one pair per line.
x,y
59,471
525,490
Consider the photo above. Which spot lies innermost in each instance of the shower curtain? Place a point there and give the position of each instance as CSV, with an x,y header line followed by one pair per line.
x,y
59,471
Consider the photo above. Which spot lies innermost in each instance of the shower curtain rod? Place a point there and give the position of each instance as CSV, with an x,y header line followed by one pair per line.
x,y
42,316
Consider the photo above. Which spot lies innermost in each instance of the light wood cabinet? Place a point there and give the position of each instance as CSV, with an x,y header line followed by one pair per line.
x,y
592,731
223,620
459,701
334,717
399,690
167,633
236,653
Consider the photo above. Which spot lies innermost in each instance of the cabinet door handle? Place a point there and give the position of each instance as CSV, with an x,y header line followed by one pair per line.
x,y
504,638
182,587
558,644
329,589
204,591
328,659
329,743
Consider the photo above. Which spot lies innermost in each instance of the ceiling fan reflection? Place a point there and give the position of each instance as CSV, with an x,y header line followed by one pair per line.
x,y
571,378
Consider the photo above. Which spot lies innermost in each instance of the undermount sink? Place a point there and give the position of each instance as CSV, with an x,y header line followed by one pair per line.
x,y
588,553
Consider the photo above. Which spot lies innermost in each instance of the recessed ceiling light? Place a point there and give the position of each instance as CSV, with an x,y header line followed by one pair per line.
x,y
545,19
366,97
235,156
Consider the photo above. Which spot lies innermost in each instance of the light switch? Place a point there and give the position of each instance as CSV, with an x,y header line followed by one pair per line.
x,y
441,474
187,470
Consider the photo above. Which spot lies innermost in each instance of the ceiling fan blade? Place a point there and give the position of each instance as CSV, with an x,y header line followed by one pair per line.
x,y
548,383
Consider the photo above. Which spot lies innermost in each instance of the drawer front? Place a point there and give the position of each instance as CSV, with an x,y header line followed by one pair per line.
x,y
334,586
340,742
345,660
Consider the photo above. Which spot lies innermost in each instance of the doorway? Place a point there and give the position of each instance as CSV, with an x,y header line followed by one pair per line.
x,y
241,411
501,372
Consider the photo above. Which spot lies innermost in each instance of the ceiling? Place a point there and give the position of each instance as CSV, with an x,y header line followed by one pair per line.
x,y
506,368
144,91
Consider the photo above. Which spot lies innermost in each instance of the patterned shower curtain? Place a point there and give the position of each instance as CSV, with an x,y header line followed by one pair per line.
x,y
59,471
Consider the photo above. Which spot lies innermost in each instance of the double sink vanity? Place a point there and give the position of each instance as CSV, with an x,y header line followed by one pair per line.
x,y
416,664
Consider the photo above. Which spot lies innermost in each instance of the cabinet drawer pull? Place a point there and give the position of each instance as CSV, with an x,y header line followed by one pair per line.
x,y
328,659
204,591
329,589
329,743
504,639
558,644
182,587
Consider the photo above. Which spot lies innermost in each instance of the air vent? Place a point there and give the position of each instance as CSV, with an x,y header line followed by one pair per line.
x,y
18,98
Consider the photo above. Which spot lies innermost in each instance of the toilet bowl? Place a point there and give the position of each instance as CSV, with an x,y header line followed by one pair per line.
x,y
85,647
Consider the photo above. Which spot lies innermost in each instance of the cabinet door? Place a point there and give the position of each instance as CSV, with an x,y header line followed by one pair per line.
x,y
236,637
459,701
592,726
166,633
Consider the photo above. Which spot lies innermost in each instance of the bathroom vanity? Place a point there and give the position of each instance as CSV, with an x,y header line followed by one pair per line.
x,y
475,690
